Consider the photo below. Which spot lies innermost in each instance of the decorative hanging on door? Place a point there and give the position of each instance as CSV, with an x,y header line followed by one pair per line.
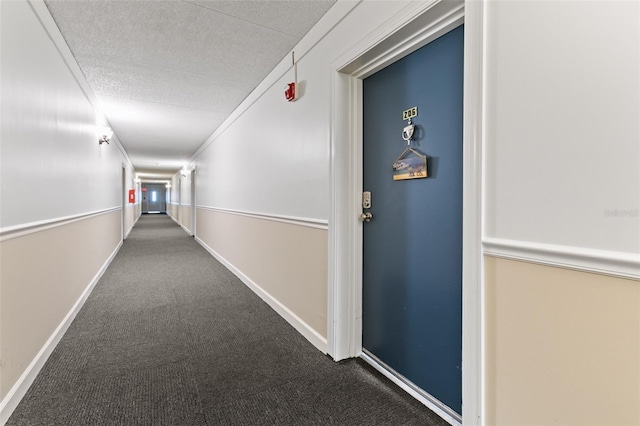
x,y
411,164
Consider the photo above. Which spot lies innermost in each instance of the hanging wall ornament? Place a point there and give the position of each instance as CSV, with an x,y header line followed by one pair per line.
x,y
411,164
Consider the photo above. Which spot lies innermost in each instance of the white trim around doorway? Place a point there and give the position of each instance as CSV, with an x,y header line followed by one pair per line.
x,y
415,26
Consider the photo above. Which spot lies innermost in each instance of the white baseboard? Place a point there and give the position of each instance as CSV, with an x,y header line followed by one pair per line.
x,y
184,228
20,388
126,234
173,218
187,230
429,401
302,327
131,228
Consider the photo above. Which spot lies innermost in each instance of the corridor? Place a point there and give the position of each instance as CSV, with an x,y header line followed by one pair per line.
x,y
288,242
169,336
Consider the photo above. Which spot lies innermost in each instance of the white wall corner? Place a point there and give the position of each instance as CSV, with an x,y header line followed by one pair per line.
x,y
342,307
473,217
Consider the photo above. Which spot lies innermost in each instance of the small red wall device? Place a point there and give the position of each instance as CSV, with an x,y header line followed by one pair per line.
x,y
290,92
132,196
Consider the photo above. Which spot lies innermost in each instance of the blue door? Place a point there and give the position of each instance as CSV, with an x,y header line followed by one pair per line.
x,y
412,252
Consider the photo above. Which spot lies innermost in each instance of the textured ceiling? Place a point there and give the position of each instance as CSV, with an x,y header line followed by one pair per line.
x,y
168,73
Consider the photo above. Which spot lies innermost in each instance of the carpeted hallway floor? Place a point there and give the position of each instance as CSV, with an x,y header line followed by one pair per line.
x,y
169,336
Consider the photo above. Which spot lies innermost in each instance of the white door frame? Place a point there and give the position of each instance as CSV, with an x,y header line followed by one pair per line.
x,y
193,202
415,26
125,201
180,199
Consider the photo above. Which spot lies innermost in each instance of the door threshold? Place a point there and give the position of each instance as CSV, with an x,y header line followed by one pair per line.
x,y
423,397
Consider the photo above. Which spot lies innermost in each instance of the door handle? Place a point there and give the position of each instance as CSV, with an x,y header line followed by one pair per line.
x,y
365,217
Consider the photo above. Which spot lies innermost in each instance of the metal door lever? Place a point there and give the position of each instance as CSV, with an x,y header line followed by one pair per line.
x,y
365,217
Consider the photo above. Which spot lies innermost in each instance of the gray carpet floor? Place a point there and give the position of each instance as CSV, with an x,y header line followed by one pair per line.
x,y
169,336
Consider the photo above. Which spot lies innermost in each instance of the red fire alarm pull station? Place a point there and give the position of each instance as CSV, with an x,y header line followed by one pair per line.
x,y
290,88
290,92
132,196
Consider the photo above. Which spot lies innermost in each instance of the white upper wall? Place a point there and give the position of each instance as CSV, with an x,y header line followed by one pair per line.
x,y
51,163
562,151
185,197
274,158
562,123
174,196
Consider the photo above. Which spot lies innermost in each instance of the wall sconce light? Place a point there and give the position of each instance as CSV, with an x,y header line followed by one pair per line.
x,y
168,186
104,136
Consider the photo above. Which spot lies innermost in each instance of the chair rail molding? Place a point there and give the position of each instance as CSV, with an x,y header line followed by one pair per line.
x,y
605,262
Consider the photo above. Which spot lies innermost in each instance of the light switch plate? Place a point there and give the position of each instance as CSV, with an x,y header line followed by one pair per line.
x,y
366,200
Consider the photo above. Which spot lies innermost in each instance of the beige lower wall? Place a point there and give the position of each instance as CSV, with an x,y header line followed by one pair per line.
x,y
131,214
42,275
186,217
287,261
562,346
172,210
